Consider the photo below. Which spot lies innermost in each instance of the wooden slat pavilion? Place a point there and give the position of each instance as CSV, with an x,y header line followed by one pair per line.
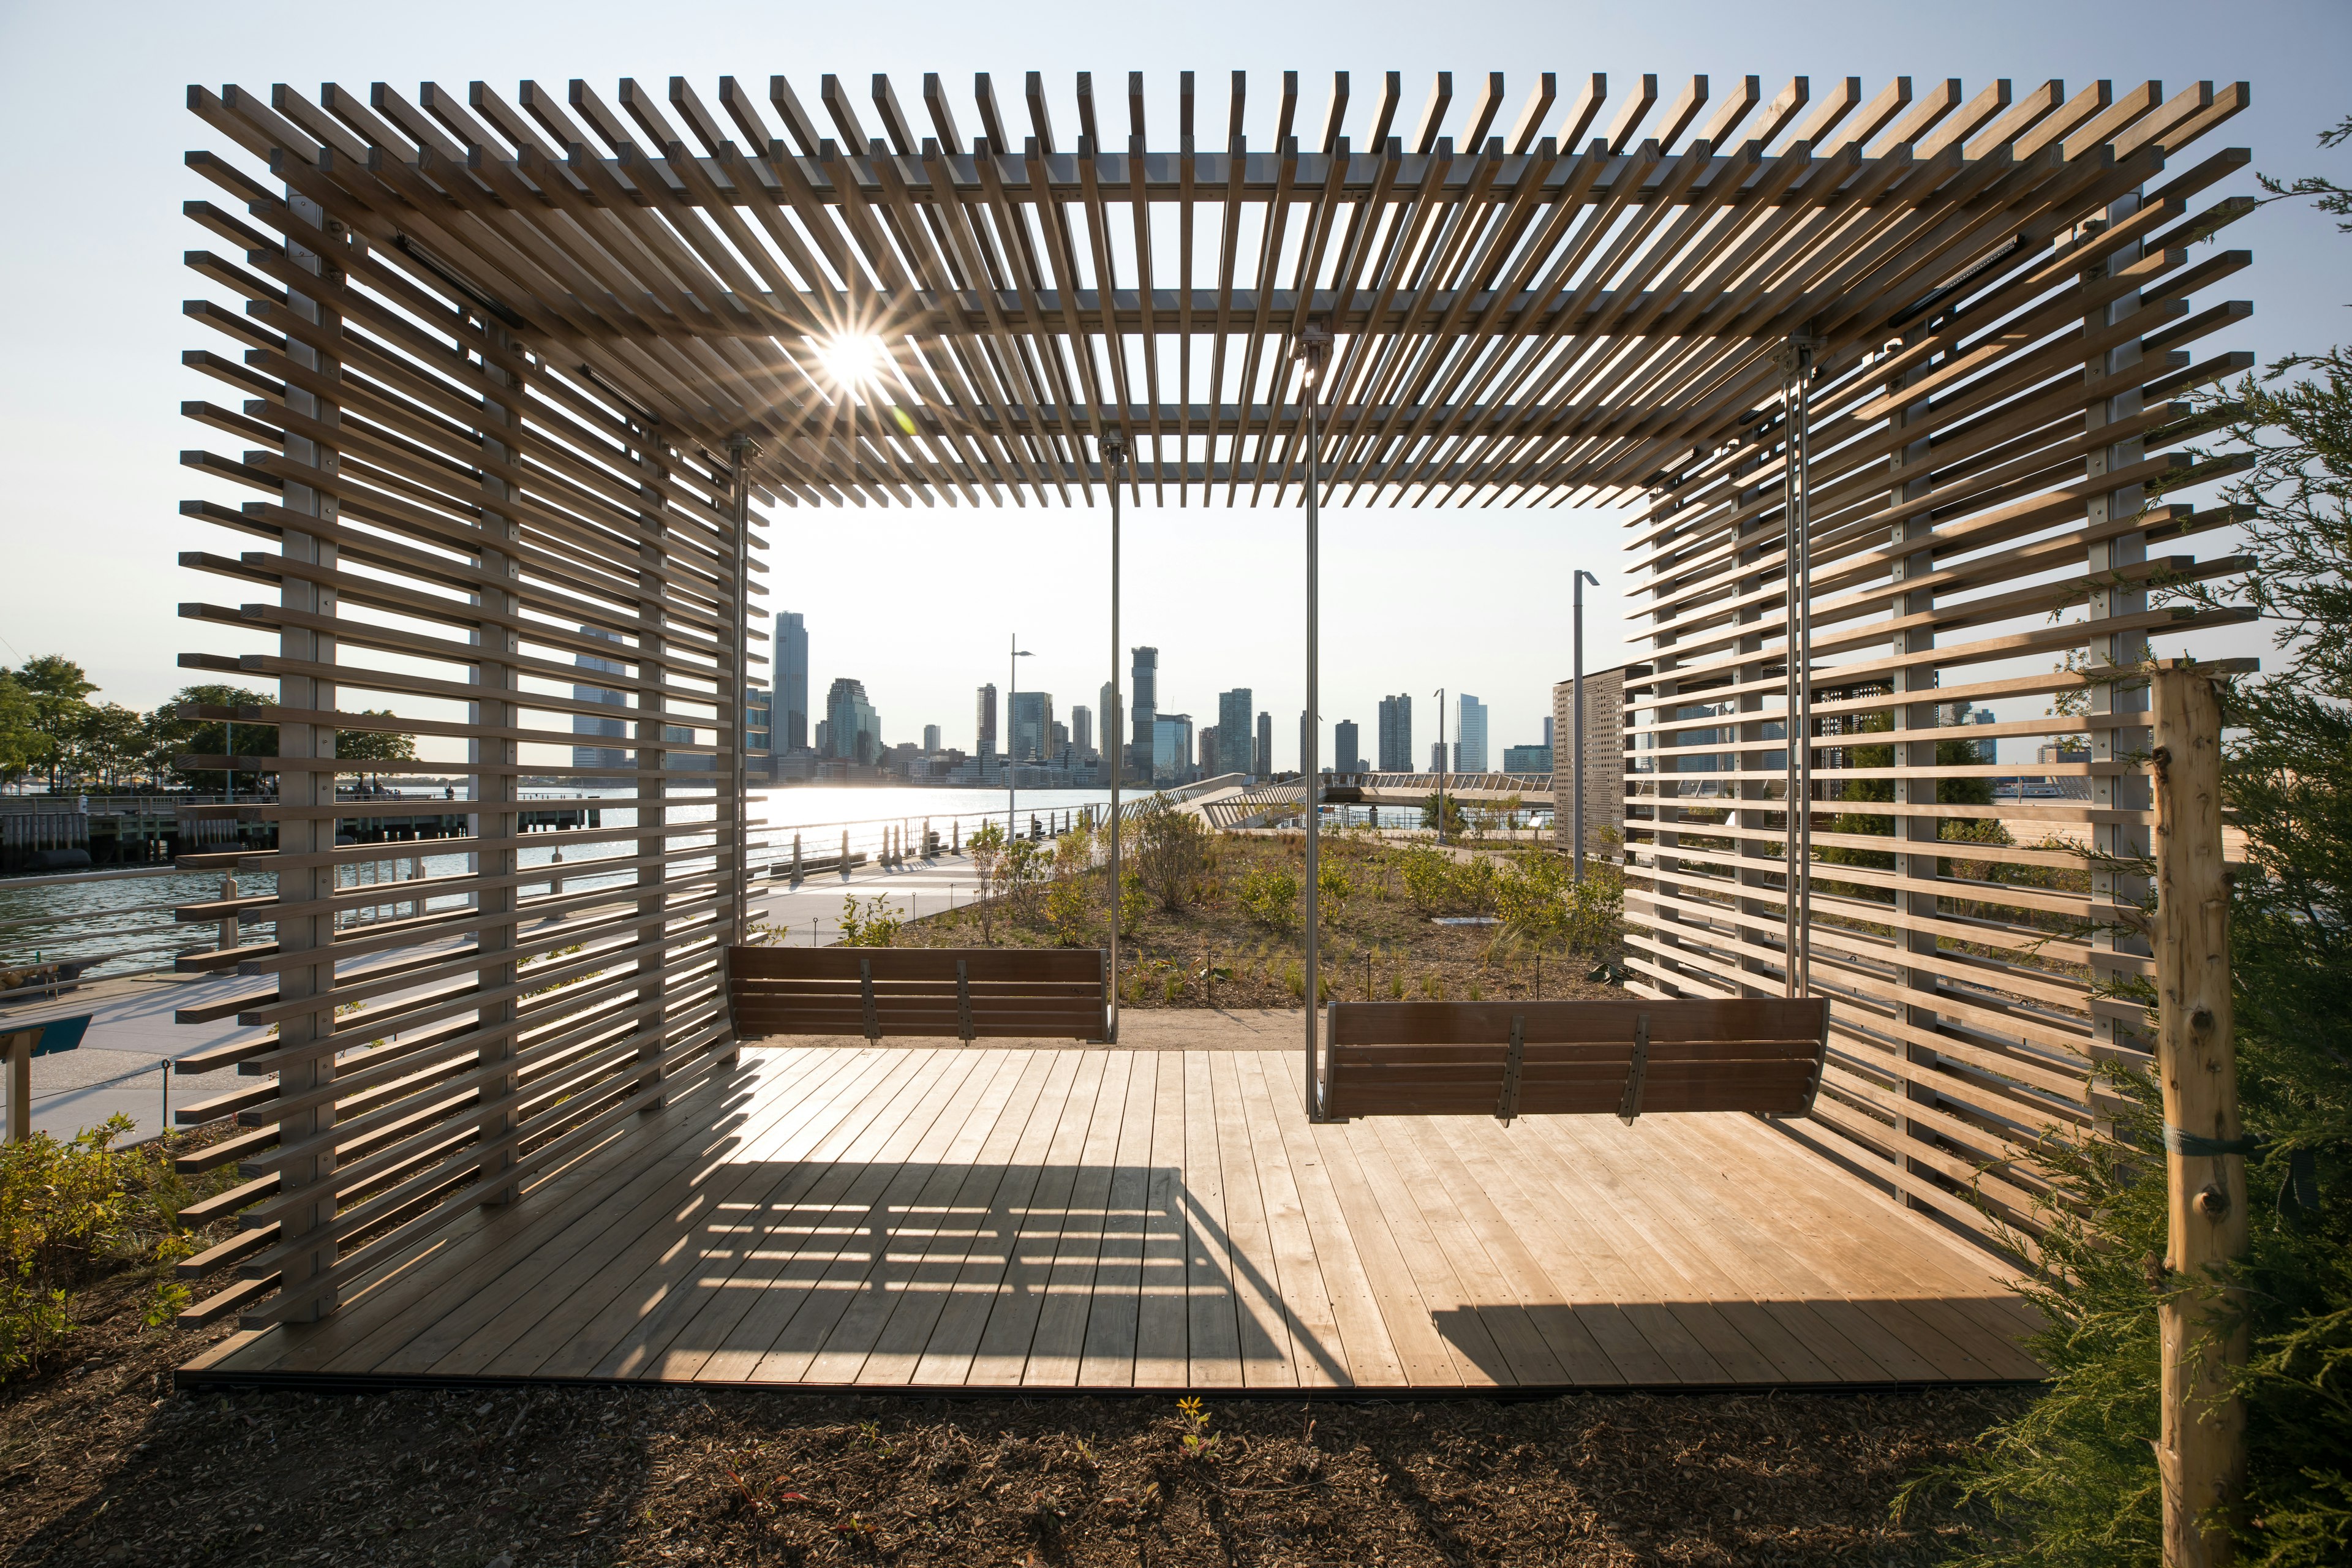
x,y
516,371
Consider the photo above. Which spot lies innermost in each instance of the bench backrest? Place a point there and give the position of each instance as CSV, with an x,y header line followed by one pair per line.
x,y
1538,1058
954,992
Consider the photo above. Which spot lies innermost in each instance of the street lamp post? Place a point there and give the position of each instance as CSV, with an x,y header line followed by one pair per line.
x,y
1114,456
1441,764
1576,723
1011,684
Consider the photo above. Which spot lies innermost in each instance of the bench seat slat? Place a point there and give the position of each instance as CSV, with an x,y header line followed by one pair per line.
x,y
1437,1059
1012,993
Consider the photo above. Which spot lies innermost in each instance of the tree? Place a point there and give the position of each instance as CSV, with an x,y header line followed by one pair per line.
x,y
374,745
107,745
59,690
20,740
2073,1479
176,737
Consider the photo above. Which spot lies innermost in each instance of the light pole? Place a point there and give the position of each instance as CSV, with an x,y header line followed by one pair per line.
x,y
1011,684
1576,723
1440,765
1312,344
1114,456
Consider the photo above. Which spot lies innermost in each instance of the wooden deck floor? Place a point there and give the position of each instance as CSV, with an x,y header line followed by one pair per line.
x,y
1113,1219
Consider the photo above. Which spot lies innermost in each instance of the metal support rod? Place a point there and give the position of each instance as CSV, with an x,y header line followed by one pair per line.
x,y
1011,685
1576,723
738,450
1114,453
1312,344
1797,368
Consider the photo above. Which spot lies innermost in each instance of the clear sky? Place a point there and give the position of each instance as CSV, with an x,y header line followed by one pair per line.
x,y
919,603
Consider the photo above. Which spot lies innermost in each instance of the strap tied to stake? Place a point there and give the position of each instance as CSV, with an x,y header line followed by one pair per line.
x,y
2197,1147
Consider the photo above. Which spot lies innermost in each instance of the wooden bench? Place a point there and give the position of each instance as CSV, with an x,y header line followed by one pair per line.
x,y
938,993
1569,1058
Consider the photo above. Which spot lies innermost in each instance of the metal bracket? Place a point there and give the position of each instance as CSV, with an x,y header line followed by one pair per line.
x,y
1631,1106
1508,1106
865,996
963,1003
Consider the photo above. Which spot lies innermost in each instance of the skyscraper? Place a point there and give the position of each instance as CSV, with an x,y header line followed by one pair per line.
x,y
986,722
1470,752
792,726
1306,735
1548,730
1082,727
1233,709
1029,726
1396,734
852,726
1172,747
1347,750
930,738
1145,679
1209,751
611,729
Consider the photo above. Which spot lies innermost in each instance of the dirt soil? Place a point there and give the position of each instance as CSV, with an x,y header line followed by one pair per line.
x,y
101,1463
1210,954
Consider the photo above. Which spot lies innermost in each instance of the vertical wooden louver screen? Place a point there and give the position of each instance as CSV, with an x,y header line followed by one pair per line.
x,y
462,534
2000,482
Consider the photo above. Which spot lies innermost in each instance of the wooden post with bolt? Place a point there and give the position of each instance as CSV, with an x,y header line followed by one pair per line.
x,y
2202,1450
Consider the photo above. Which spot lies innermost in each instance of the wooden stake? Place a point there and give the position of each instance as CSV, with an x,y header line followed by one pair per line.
x,y
2202,1449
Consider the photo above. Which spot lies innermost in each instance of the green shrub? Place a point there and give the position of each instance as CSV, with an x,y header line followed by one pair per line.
x,y
70,1210
1270,896
869,923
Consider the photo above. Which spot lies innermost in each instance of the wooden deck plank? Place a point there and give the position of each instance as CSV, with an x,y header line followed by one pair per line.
x,y
478,1325
1365,1354
1500,1307
1213,1329
1057,1217
1062,1212
665,1267
676,1339
824,1248
914,1212
1093,1333
471,1255
1162,1316
1410,1280
945,1354
1318,1356
1253,1280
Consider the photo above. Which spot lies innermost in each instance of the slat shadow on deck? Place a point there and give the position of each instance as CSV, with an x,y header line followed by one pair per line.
x,y
969,1217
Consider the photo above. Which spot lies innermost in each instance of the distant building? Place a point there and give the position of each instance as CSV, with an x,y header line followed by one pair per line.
x,y
615,757
852,729
1264,748
930,738
1144,679
792,683
1437,757
1307,743
1396,734
1208,751
1172,747
1347,751
1603,785
1082,729
1986,749
1234,709
1527,759
759,732
1029,723
1547,729
1470,736
984,722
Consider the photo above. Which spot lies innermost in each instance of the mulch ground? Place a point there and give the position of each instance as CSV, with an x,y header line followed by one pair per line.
x,y
101,1462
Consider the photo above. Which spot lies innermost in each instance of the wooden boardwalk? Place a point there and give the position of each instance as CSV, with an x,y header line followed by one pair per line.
x,y
1044,1218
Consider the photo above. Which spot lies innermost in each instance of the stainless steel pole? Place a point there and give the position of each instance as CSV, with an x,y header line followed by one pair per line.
x,y
1114,451
739,448
1440,765
1011,684
1312,344
1576,723
1797,573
